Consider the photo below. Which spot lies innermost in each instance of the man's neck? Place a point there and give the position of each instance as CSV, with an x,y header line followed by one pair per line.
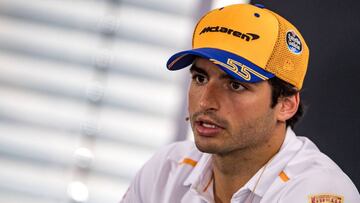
x,y
234,170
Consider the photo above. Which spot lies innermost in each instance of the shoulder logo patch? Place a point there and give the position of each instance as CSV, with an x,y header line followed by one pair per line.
x,y
326,198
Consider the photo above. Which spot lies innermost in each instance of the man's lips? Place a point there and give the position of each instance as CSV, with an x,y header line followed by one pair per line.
x,y
207,127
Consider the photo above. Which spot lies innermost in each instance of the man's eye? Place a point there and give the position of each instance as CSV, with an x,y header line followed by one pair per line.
x,y
236,86
199,79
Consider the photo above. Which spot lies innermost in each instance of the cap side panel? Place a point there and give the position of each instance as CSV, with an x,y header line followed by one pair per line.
x,y
288,64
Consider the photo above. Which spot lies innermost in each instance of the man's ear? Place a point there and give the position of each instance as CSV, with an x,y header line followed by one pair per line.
x,y
287,107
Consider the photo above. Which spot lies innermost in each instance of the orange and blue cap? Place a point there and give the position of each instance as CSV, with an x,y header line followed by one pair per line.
x,y
250,43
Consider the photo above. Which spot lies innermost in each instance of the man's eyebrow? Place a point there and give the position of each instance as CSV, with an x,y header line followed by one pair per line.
x,y
227,76
223,76
194,68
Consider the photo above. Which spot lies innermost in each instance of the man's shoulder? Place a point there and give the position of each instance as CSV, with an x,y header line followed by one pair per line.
x,y
310,160
312,174
310,163
175,154
181,147
320,185
178,150
164,174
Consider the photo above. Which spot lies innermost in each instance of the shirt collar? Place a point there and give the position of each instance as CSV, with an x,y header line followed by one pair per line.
x,y
201,170
276,165
201,174
200,179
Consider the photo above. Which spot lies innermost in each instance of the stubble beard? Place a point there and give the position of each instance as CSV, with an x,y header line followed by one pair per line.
x,y
248,136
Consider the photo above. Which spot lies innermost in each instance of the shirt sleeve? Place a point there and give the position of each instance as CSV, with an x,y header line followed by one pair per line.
x,y
142,188
133,194
322,186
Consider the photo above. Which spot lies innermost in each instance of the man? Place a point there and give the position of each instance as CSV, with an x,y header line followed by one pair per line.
x,y
247,65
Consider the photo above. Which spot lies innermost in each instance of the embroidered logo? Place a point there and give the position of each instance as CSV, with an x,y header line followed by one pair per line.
x,y
326,198
245,36
239,69
293,42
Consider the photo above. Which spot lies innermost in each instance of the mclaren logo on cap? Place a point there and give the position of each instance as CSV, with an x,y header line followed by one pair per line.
x,y
235,33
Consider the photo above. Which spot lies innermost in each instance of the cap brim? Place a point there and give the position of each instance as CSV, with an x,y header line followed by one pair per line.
x,y
234,65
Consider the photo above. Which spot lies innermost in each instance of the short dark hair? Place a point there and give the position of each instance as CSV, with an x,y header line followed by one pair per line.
x,y
280,89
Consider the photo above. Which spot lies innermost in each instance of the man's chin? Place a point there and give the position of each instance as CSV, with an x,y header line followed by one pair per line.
x,y
207,148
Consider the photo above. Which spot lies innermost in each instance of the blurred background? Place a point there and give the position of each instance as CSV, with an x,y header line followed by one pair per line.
x,y
85,98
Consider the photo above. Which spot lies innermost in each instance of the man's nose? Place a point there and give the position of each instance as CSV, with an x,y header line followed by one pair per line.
x,y
209,99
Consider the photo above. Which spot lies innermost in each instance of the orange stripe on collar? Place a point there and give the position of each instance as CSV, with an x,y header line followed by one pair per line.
x,y
283,176
189,162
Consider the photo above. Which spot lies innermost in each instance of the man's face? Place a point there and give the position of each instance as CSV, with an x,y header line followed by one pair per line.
x,y
227,115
